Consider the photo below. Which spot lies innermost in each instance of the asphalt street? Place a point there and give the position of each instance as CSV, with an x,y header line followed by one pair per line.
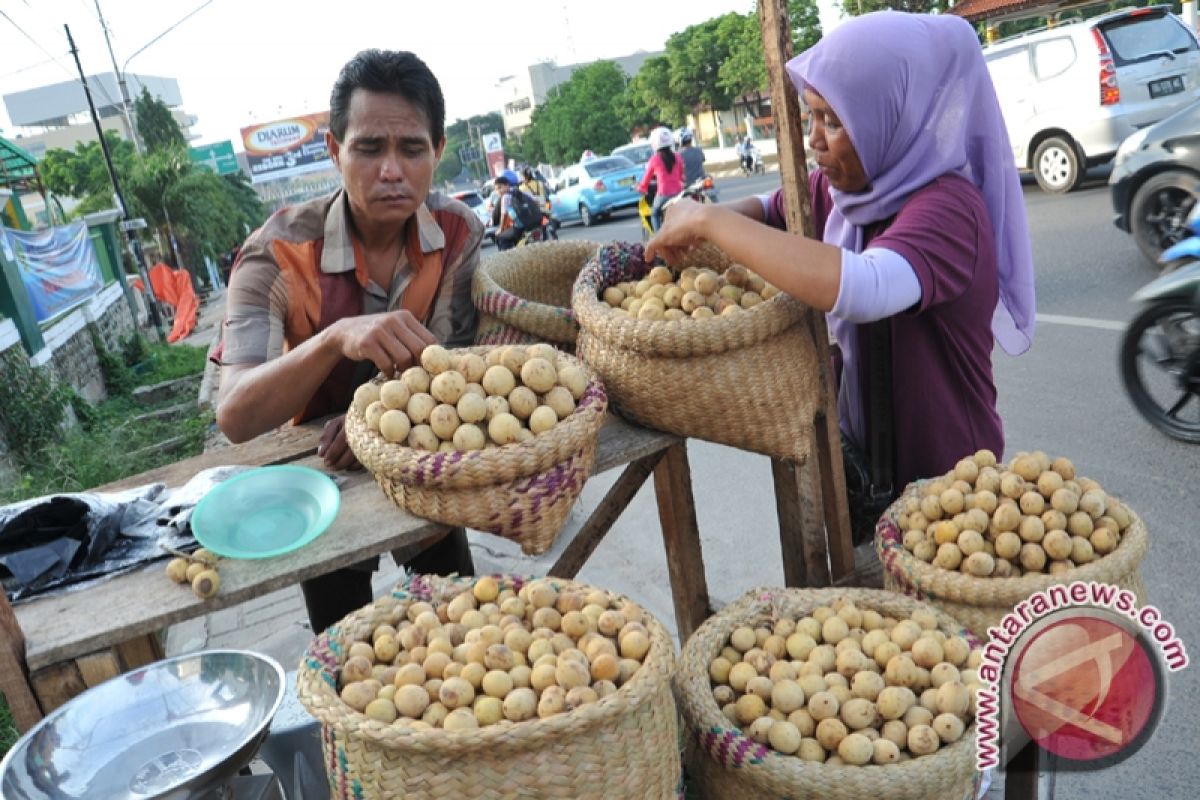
x,y
1064,396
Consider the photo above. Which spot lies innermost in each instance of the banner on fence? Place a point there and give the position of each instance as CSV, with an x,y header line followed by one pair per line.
x,y
58,266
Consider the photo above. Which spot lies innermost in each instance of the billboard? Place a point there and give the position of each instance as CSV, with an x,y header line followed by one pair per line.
x,y
57,265
218,157
287,147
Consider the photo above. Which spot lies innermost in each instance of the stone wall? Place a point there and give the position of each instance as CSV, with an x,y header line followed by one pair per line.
x,y
70,349
10,348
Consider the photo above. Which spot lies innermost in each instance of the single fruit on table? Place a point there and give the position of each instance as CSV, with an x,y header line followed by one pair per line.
x,y
177,570
206,584
194,569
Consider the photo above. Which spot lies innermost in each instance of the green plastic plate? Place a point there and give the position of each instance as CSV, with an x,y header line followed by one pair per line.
x,y
266,512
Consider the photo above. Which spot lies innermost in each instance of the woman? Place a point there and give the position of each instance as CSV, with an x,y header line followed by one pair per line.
x,y
666,169
921,222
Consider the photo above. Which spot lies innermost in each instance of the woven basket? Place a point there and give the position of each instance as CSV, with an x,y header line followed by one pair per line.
x,y
522,492
981,603
726,765
749,380
524,294
624,746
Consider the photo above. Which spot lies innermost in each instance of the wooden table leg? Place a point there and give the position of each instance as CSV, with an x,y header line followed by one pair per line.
x,y
601,521
14,679
801,523
681,538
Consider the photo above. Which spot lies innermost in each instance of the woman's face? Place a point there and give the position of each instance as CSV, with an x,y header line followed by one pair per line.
x,y
835,153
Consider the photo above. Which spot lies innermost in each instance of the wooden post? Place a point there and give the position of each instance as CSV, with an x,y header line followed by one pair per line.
x,y
681,539
14,679
829,518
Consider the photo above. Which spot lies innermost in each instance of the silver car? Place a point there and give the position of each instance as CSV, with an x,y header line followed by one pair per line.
x,y
1072,93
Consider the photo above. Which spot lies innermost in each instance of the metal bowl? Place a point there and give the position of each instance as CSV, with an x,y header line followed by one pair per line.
x,y
174,729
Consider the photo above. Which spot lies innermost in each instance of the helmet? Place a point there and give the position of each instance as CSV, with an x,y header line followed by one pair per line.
x,y
685,135
588,155
660,138
509,177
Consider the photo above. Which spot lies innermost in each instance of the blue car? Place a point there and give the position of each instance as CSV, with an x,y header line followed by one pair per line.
x,y
596,188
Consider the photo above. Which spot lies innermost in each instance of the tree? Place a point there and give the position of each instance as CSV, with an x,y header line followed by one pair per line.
x,y
156,127
858,7
578,114
647,98
744,73
696,54
81,172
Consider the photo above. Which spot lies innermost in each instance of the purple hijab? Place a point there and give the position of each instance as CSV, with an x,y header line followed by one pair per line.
x,y
914,94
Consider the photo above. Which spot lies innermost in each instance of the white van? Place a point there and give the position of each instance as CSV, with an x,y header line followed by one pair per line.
x,y
1071,93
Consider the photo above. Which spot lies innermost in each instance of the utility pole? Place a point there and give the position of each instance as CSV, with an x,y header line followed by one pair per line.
x,y
134,244
126,110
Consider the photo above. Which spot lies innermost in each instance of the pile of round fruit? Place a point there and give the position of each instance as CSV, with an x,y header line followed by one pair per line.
x,y
465,401
694,294
493,656
1032,515
847,685
198,570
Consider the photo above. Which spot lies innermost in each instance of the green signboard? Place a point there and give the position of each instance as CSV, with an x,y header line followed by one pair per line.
x,y
218,157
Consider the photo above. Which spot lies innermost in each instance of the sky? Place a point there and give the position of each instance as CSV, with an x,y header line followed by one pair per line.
x,y
239,63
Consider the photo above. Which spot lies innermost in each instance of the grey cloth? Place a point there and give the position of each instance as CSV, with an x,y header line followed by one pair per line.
x,y
693,164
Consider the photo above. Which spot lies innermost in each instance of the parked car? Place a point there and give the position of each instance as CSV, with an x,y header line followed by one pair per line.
x,y
474,201
596,188
1072,93
637,152
1155,181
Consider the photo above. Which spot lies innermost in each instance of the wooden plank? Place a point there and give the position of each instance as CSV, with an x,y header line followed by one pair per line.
x,y
96,668
275,447
55,685
796,503
140,651
601,521
622,443
833,521
14,677
1021,774
681,538
144,601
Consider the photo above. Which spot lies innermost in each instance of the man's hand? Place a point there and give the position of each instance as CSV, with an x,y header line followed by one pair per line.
x,y
393,341
681,231
333,447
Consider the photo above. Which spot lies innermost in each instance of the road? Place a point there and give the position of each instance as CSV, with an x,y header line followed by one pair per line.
x,y
1063,396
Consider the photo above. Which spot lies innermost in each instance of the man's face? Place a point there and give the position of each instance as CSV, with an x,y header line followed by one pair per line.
x,y
387,158
502,187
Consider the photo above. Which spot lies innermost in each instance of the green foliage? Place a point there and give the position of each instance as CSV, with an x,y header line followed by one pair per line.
x,y
33,407
8,729
81,172
857,8
648,99
118,377
157,129
578,116
171,361
465,132
695,55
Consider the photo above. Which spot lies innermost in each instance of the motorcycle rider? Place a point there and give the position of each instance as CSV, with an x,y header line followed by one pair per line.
x,y
535,186
693,158
745,150
505,219
666,169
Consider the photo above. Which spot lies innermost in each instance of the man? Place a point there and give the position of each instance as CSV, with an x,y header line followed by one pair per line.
x,y
534,185
328,292
508,217
693,159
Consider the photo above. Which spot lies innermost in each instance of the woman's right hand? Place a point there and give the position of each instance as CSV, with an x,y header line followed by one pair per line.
x,y
682,230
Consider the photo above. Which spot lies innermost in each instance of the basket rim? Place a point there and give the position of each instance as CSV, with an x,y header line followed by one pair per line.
x,y
693,684
719,334
547,449
651,678
485,280
955,586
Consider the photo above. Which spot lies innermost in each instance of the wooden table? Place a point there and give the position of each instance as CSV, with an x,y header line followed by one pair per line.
x,y
79,639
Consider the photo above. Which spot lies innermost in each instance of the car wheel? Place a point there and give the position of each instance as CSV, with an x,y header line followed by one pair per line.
x,y
585,216
1057,165
1159,211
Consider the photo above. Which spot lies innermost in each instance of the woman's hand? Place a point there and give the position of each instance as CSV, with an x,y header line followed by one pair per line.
x,y
682,230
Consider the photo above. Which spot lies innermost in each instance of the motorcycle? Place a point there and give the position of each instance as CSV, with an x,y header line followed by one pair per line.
x,y
753,164
1160,351
701,190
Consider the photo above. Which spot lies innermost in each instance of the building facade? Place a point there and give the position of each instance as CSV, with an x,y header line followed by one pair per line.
x,y
521,94
57,116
